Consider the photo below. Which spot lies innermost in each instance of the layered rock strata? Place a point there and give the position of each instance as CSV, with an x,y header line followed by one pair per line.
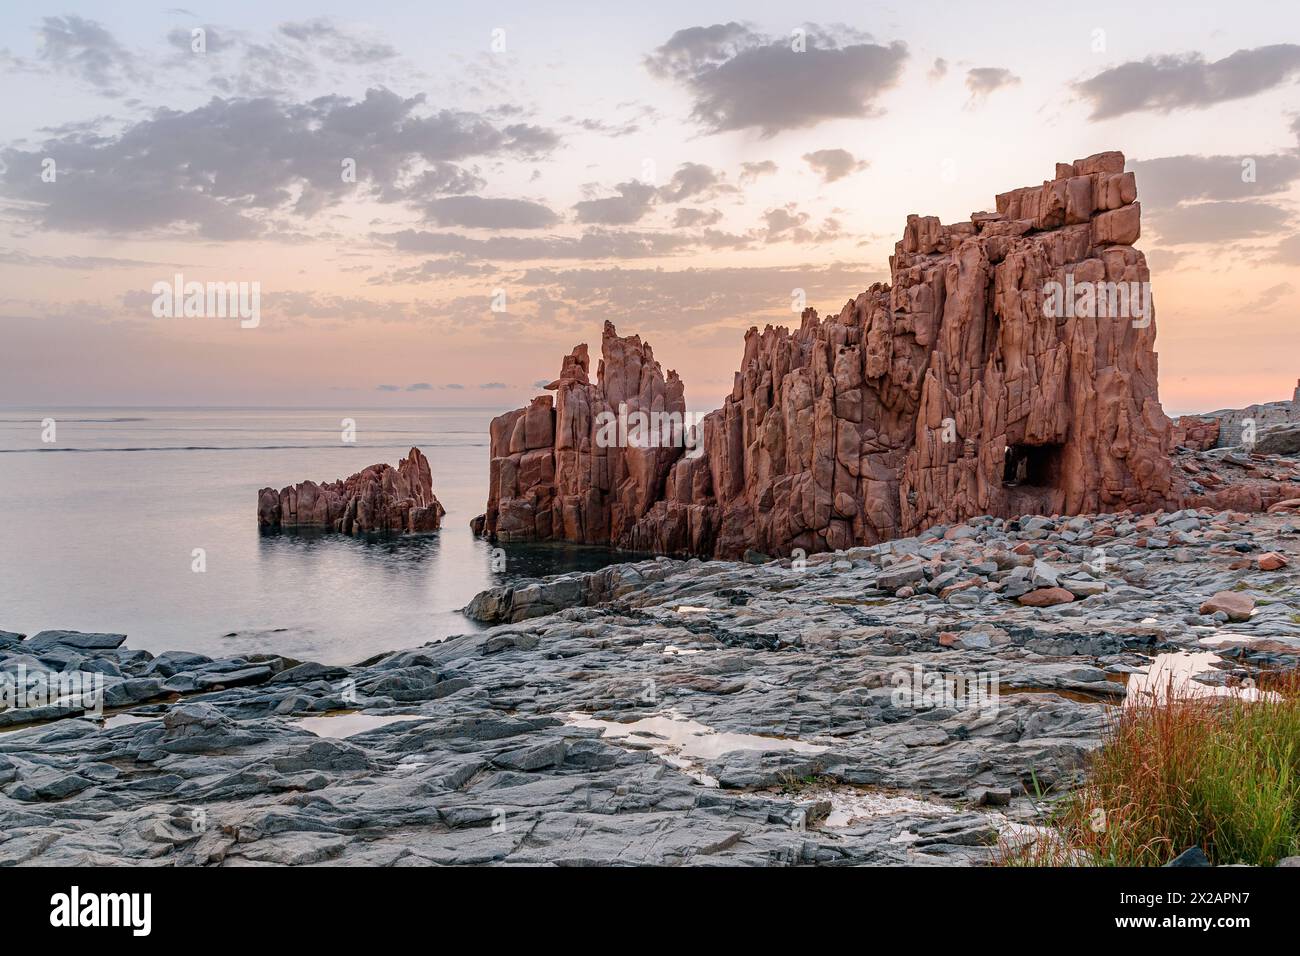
x,y
378,498
975,382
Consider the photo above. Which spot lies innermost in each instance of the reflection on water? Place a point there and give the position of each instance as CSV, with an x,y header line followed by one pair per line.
x,y
1174,675
686,743
401,553
109,541
850,805
124,720
536,560
348,723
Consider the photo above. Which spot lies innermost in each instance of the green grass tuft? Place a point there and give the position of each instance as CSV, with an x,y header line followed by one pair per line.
x,y
1219,773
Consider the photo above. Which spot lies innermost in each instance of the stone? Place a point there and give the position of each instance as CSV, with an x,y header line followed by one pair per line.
x,y
532,758
133,691
1043,575
74,639
1235,605
1083,587
1270,561
1046,597
1192,856
1195,432
378,498
990,797
1281,439
891,579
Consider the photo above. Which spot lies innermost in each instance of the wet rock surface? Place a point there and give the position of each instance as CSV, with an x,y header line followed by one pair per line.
x,y
665,712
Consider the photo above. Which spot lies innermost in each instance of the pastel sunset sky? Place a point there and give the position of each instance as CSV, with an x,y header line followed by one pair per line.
x,y
674,167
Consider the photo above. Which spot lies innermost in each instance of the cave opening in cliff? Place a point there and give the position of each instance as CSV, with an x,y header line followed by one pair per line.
x,y
1032,466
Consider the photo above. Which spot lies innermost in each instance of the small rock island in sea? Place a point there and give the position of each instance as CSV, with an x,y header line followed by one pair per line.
x,y
377,498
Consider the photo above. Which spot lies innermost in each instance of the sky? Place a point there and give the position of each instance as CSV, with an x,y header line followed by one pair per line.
x,y
437,201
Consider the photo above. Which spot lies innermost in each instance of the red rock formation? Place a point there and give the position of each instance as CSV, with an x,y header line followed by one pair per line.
x,y
552,477
948,392
378,498
1195,432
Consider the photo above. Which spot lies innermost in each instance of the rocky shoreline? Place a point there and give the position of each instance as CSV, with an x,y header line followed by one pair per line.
x,y
664,712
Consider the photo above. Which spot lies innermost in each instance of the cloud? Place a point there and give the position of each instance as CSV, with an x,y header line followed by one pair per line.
x,y
442,179
493,385
388,388
785,222
433,270
481,212
630,205
1195,199
1288,251
1268,298
238,64
1164,260
1169,180
13,257
749,172
1216,222
335,44
714,239
454,386
86,50
592,244
1188,81
591,125
682,299
235,168
542,383
294,56
321,307
419,387
833,164
693,179
687,218
984,80
939,70
744,80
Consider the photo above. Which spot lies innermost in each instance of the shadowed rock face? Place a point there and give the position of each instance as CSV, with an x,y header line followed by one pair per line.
x,y
379,498
946,393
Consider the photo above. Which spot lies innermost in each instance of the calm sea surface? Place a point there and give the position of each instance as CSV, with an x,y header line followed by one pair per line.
x,y
98,531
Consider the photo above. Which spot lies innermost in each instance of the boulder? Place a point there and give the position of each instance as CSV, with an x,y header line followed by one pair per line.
x,y
1270,561
1232,603
1046,597
1278,440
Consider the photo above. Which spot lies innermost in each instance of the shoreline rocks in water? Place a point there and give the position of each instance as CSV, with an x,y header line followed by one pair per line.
x,y
664,712
378,498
